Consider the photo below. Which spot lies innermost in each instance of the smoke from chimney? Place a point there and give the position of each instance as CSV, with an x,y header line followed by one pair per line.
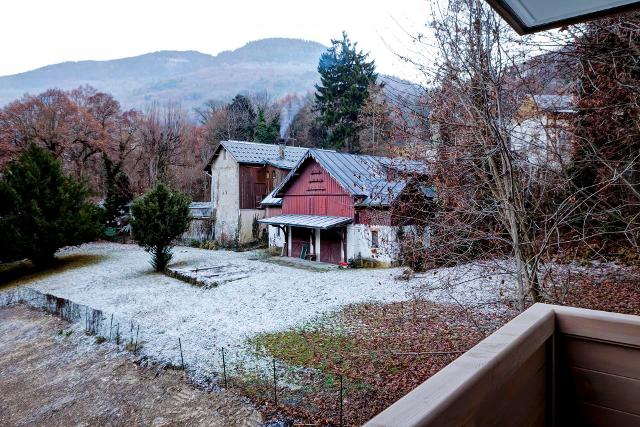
x,y
288,112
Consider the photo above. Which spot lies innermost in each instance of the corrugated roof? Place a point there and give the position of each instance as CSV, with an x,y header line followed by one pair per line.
x,y
363,176
200,209
307,221
260,154
271,200
557,103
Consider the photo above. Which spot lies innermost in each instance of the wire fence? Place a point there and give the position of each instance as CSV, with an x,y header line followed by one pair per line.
x,y
309,395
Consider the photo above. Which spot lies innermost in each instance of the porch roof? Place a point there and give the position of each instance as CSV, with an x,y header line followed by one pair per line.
x,y
307,221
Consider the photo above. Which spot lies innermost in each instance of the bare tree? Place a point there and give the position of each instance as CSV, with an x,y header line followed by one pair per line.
x,y
495,200
161,133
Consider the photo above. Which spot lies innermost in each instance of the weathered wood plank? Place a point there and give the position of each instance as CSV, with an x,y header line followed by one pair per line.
x,y
599,325
589,415
610,391
459,389
600,356
520,400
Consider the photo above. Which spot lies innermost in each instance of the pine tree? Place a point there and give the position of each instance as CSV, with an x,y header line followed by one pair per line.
x,y
117,190
345,76
159,218
42,209
241,118
266,133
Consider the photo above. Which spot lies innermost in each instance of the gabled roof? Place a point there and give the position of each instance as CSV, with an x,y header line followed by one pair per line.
x,y
365,177
260,154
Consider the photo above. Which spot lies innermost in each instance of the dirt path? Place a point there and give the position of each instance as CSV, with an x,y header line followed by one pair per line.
x,y
50,379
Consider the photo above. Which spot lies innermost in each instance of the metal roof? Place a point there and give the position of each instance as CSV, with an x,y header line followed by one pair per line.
x,y
260,154
362,175
307,221
201,209
556,103
271,200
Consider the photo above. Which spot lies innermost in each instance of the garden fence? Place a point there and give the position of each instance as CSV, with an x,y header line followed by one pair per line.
x,y
316,397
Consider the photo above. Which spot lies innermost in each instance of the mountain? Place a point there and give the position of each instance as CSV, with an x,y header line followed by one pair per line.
x,y
277,66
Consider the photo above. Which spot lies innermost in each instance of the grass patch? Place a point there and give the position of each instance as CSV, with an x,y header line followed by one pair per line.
x,y
380,351
21,272
309,348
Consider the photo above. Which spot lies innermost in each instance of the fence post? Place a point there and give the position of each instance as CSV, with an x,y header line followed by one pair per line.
x,y
275,389
110,326
224,369
118,334
181,357
135,348
341,395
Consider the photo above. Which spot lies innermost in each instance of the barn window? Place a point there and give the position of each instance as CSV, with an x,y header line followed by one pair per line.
x,y
374,239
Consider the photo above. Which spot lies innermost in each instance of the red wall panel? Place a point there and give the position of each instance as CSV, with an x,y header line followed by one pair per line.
x,y
315,192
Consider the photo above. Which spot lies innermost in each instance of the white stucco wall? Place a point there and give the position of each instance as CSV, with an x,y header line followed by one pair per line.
x,y
276,237
247,217
542,141
225,195
359,243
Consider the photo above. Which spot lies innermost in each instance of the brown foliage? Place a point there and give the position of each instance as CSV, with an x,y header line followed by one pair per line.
x,y
81,125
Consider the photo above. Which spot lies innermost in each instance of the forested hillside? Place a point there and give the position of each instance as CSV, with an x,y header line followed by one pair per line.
x,y
275,66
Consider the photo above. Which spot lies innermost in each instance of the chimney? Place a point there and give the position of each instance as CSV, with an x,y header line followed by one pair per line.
x,y
281,145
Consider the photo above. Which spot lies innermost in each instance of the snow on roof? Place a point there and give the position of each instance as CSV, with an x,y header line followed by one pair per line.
x,y
364,176
201,209
557,103
271,200
307,221
260,154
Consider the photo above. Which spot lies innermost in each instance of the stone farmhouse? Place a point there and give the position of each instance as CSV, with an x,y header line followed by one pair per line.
x,y
242,174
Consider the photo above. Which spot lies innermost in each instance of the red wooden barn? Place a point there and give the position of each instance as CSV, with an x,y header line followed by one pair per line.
x,y
335,207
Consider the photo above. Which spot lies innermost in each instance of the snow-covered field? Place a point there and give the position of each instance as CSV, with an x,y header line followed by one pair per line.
x,y
262,296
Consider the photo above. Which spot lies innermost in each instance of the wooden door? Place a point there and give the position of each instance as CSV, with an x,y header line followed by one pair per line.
x,y
331,246
299,240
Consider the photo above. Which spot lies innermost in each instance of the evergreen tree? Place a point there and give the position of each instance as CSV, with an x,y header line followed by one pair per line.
x,y
266,133
159,218
345,76
117,191
274,128
43,210
241,118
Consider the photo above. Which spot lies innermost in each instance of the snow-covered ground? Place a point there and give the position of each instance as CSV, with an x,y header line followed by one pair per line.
x,y
262,296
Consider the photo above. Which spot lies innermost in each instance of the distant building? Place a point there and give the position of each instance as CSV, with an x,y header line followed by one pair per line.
x,y
242,174
543,129
335,207
200,227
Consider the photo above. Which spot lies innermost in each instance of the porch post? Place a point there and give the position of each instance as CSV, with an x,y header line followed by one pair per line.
x,y
289,240
344,244
317,245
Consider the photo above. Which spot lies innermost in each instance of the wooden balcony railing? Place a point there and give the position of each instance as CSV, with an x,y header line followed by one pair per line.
x,y
550,366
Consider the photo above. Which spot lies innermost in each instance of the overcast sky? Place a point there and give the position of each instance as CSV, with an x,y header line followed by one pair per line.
x,y
35,33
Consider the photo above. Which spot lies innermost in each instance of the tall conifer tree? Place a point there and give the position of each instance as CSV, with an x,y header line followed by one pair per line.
x,y
345,77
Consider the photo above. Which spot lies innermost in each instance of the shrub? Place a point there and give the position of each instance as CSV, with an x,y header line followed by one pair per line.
x,y
159,218
42,210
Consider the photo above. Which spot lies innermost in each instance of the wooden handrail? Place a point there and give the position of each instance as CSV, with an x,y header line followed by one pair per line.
x,y
510,377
